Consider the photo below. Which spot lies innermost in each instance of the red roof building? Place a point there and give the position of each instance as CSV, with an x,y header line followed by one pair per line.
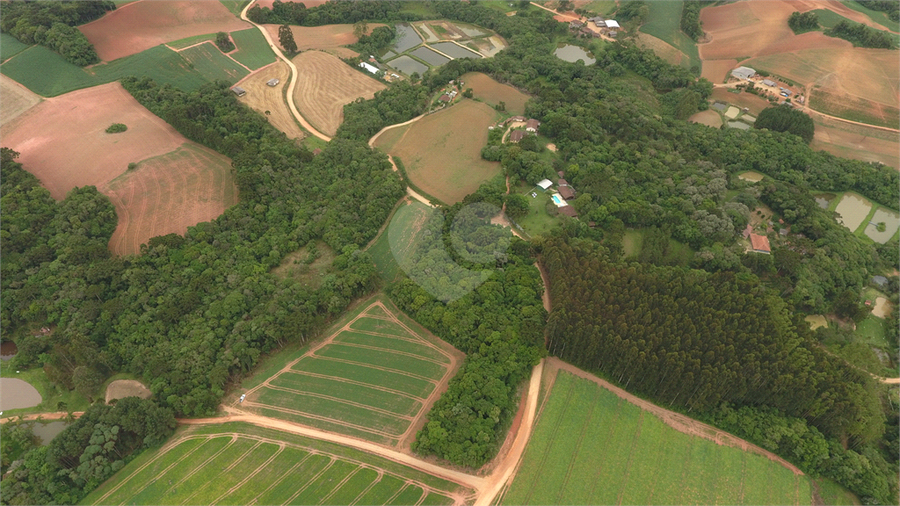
x,y
566,192
760,243
568,211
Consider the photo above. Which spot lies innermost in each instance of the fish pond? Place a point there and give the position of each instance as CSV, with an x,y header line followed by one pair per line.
x,y
451,49
407,65
430,57
570,53
886,220
853,210
407,38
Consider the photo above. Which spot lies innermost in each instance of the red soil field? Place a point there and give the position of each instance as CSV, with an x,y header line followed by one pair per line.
x,y
167,194
63,140
715,71
141,25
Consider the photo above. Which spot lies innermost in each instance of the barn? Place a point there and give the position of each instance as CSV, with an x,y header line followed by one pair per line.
x,y
239,91
744,73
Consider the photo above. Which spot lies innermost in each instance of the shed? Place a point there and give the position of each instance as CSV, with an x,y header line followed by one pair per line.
x,y
760,243
568,211
575,24
768,82
239,91
516,136
532,125
368,67
743,72
566,192
600,24
544,183
273,82
613,33
612,23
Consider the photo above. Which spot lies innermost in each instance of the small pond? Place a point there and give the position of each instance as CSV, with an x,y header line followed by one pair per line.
x,y
852,209
751,176
16,394
740,125
570,53
430,57
891,222
407,38
471,30
48,430
455,51
824,200
8,350
407,65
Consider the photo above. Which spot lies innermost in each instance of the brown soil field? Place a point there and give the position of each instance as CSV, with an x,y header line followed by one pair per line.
x,y
325,84
328,38
16,99
743,28
856,142
716,71
167,194
141,25
662,48
708,118
262,98
748,100
493,92
63,140
120,389
443,161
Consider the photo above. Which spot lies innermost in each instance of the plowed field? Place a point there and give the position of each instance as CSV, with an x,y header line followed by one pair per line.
x,y
141,25
325,85
169,193
269,100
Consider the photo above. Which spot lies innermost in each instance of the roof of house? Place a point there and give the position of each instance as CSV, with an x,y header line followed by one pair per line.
x,y
879,280
544,183
760,243
568,211
566,192
612,23
532,123
743,72
562,182
748,230
516,136
444,98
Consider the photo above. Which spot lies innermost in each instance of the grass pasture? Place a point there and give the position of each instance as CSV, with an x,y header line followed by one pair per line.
x,y
442,151
398,238
252,48
10,46
664,23
878,17
492,92
373,378
212,64
591,447
16,99
236,463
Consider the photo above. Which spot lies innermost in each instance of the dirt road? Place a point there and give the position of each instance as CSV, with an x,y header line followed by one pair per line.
x,y
293,83
60,415
409,191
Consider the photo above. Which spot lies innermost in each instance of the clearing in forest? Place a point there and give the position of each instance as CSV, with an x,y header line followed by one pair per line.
x,y
237,463
442,151
492,92
141,25
374,377
167,194
589,446
325,85
328,38
269,100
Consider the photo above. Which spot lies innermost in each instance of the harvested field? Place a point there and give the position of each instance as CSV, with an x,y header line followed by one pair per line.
x,y
120,389
443,160
169,193
269,100
238,463
856,141
708,117
373,378
16,99
141,25
328,38
63,140
717,71
744,29
590,446
325,85
492,92
853,108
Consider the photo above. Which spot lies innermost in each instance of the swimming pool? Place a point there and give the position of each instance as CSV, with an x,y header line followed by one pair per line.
x,y
558,200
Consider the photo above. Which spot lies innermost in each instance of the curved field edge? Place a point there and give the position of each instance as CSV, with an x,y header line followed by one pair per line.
x,y
156,469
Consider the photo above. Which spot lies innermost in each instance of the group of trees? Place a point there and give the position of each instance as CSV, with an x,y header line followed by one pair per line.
x,y
890,7
286,39
801,22
861,35
333,12
223,42
52,24
690,18
786,119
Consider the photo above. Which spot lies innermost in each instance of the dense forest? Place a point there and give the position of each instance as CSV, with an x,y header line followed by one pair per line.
x,y
690,18
52,24
801,22
786,119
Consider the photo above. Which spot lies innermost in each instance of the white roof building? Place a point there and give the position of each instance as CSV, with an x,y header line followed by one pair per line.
x,y
612,23
743,72
368,67
544,184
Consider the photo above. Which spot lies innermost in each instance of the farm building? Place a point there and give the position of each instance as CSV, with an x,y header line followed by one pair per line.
x,y
516,136
368,67
566,192
743,73
575,24
444,98
532,125
768,82
272,82
760,243
239,91
612,23
568,211
544,184
561,182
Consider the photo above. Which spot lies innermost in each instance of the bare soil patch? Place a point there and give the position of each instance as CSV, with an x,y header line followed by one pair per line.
x,y
328,38
744,28
717,71
269,100
169,193
325,85
492,92
63,140
141,25
16,99
120,389
882,307
708,118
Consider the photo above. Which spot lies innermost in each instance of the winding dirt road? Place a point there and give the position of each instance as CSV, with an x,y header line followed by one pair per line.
x,y
409,191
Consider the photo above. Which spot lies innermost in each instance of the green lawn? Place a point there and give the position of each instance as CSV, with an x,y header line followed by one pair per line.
x,y
537,221
10,46
252,48
190,41
834,494
877,16
237,463
871,330
590,447
664,22
51,394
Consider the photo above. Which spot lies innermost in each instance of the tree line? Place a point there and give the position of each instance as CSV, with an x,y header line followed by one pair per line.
x,y
52,24
861,35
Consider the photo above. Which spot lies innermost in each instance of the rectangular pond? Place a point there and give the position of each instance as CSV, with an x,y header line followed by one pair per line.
x,y
740,125
451,49
430,57
407,38
883,218
407,65
852,209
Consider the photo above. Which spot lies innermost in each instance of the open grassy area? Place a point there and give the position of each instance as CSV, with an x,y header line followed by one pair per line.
x,y
537,221
828,18
398,239
237,463
877,16
10,46
871,331
235,6
51,395
370,378
190,41
252,48
48,74
212,64
834,494
664,22
591,447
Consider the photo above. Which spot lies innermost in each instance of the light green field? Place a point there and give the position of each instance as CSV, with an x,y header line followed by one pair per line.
x,y
10,46
664,22
370,379
591,447
237,463
252,48
398,237
829,18
235,6
834,494
212,64
877,16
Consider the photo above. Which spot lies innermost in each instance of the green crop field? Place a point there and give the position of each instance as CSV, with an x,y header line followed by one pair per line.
x,y
10,46
591,447
828,18
190,41
398,239
48,74
370,378
235,6
252,48
664,22
237,463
